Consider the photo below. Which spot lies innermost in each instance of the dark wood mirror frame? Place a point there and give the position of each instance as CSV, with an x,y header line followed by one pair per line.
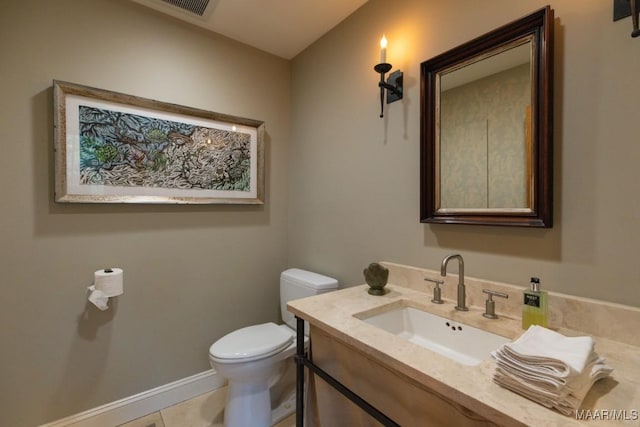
x,y
538,25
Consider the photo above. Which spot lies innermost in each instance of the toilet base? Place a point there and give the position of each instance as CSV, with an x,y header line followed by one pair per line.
x,y
248,405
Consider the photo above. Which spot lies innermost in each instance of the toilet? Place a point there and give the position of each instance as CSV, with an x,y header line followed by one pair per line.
x,y
253,358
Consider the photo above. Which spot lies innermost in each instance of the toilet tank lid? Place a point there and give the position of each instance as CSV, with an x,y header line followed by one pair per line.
x,y
309,279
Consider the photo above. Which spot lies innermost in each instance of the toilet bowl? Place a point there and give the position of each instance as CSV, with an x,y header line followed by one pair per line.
x,y
253,358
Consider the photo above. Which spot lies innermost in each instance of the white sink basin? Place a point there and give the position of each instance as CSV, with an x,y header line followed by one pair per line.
x,y
462,343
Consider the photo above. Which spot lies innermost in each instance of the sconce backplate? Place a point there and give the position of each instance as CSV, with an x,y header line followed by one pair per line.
x,y
621,9
395,79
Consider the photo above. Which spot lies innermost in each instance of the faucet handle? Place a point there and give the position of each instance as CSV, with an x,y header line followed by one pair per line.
x,y
490,304
437,298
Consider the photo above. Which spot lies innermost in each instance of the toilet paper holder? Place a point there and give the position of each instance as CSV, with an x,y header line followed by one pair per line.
x,y
107,283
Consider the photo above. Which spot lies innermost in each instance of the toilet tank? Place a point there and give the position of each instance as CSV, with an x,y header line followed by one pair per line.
x,y
296,284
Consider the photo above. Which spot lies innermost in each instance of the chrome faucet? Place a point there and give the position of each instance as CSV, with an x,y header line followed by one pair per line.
x,y
462,295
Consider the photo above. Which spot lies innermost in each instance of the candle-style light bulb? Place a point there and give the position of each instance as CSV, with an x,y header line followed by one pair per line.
x,y
383,49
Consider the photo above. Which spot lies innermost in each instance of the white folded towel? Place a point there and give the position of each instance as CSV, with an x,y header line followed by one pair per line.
x,y
537,375
549,352
573,401
567,401
549,368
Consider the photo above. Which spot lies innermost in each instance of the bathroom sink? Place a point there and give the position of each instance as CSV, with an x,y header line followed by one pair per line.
x,y
462,343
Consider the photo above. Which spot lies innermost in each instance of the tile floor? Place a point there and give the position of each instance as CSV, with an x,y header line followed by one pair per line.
x,y
205,410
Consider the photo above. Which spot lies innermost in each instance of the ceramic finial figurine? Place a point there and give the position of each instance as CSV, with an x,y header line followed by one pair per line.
x,y
376,277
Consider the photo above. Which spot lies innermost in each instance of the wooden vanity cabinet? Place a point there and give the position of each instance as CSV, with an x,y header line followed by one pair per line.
x,y
401,398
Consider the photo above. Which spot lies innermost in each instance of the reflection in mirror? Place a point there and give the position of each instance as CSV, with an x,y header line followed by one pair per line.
x,y
486,134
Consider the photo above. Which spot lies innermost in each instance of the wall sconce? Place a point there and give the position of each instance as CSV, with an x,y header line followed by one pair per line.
x,y
635,11
624,8
393,84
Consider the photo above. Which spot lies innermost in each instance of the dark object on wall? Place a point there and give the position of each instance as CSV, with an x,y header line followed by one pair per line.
x,y
536,30
624,8
393,85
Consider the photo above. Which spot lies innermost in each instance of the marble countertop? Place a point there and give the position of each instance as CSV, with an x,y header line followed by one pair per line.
x,y
470,386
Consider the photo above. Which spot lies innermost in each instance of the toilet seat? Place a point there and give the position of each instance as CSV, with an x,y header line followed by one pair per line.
x,y
251,343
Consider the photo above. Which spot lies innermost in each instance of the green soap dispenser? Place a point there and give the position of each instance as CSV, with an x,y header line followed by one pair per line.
x,y
535,310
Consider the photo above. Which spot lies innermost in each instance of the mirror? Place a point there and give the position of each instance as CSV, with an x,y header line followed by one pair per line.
x,y
486,134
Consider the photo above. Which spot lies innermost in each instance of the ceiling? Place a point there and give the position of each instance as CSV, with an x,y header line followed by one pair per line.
x,y
281,27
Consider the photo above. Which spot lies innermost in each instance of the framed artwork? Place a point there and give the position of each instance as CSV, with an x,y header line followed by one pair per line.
x,y
117,148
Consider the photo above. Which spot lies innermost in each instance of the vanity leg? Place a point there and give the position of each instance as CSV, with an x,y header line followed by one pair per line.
x,y
300,356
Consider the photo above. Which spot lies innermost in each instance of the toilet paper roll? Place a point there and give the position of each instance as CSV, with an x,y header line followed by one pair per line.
x,y
107,283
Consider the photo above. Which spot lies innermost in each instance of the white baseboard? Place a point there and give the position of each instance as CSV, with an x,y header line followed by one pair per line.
x,y
147,402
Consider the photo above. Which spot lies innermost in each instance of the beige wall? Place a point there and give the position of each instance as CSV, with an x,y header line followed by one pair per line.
x,y
354,177
192,273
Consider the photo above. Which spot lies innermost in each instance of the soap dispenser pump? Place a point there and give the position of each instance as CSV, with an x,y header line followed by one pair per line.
x,y
535,310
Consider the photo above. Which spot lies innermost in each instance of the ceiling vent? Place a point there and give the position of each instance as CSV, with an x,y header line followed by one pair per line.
x,y
197,7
